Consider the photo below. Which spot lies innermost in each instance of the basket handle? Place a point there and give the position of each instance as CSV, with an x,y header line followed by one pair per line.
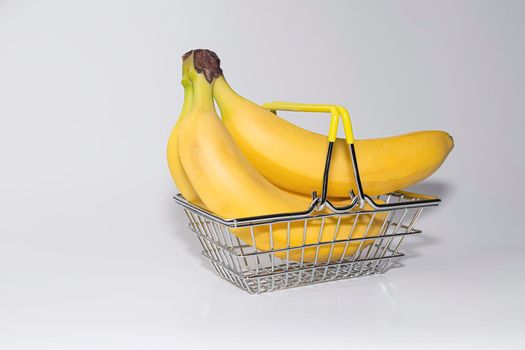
x,y
335,111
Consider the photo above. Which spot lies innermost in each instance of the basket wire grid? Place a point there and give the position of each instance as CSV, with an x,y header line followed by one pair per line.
x,y
365,241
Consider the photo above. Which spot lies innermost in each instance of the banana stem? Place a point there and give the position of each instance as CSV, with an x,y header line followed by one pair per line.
x,y
221,91
188,96
202,88
202,93
202,67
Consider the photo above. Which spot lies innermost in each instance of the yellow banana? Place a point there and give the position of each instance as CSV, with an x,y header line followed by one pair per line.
x,y
347,228
177,172
231,187
293,158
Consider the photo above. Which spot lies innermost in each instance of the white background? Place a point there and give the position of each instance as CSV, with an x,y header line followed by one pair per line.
x,y
94,254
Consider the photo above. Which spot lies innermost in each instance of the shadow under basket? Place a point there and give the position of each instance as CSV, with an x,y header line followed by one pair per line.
x,y
264,255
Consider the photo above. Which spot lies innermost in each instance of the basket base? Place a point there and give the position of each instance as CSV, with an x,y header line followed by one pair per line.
x,y
270,282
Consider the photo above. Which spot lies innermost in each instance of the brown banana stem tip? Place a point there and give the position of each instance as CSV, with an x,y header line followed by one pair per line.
x,y
207,62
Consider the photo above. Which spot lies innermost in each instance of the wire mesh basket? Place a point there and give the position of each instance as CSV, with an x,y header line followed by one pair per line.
x,y
324,243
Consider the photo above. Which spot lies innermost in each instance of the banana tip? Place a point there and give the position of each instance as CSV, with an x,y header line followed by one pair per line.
x,y
451,141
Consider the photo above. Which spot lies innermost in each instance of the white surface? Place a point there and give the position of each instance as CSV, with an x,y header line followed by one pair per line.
x,y
95,255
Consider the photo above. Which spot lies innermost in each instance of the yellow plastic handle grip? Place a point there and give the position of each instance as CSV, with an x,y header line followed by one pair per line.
x,y
334,110
347,124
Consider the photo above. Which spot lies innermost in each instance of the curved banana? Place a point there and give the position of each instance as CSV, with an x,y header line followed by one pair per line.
x,y
293,158
231,187
177,172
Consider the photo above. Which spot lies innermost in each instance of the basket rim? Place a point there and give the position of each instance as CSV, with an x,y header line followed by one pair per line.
x,y
414,200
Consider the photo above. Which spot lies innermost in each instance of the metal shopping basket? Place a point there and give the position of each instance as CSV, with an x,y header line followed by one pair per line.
x,y
273,252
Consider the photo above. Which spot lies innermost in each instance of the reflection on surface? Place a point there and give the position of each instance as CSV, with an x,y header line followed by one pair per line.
x,y
345,299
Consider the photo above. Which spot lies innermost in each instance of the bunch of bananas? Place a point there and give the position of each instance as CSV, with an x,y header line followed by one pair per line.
x,y
252,162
